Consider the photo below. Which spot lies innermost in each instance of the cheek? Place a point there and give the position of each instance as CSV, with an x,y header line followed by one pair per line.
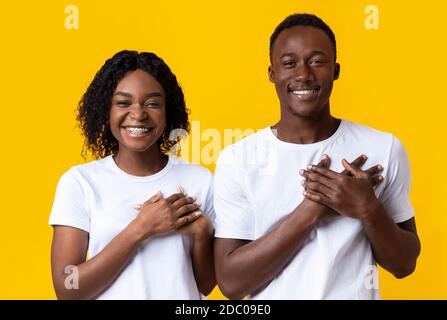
x,y
114,119
160,117
281,84
327,88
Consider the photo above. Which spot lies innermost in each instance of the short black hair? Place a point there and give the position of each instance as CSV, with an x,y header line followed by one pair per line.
x,y
94,108
303,19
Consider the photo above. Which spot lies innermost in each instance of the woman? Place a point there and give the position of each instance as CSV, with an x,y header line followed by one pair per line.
x,y
136,210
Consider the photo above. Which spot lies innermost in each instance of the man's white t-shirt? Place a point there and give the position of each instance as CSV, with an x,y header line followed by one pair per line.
x,y
99,197
257,183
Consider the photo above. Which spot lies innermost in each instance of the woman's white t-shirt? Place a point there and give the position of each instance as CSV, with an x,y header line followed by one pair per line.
x,y
257,183
99,197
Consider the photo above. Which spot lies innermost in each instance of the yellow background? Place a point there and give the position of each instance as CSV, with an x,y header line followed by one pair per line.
x,y
391,79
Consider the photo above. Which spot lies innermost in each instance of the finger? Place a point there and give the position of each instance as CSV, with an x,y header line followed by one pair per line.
x,y
186,209
317,197
375,181
325,162
356,172
374,170
137,207
324,172
181,190
188,219
317,187
182,201
174,197
156,197
358,162
317,177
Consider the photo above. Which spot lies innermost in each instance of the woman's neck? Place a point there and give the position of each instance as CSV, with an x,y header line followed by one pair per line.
x,y
141,163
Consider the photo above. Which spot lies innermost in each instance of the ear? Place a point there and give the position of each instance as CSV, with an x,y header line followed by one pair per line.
x,y
271,74
337,71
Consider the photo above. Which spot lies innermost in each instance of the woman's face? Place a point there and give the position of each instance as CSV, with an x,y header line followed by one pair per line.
x,y
138,112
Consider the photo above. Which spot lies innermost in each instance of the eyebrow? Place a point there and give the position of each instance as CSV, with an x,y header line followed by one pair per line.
x,y
128,95
313,53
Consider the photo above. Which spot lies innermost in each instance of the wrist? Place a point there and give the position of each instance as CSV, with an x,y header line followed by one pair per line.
x,y
370,211
315,211
205,234
310,211
137,231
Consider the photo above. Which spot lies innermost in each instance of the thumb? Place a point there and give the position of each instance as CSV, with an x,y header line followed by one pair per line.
x,y
325,162
356,172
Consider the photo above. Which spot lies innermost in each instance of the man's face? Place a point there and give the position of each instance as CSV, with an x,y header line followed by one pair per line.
x,y
303,70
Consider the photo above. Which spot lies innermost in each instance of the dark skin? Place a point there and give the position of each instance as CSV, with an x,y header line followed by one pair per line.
x,y
303,69
138,101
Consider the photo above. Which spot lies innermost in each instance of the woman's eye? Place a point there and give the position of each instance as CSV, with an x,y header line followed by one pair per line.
x,y
152,105
123,103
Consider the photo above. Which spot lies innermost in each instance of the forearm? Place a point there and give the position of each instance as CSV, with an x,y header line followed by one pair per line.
x,y
203,263
251,266
395,249
98,273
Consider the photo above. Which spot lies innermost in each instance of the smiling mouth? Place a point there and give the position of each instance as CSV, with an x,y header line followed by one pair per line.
x,y
305,93
138,131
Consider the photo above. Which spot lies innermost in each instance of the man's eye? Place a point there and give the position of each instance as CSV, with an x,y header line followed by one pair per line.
x,y
317,62
289,63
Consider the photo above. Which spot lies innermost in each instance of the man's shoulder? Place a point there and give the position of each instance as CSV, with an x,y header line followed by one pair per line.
x,y
245,145
367,134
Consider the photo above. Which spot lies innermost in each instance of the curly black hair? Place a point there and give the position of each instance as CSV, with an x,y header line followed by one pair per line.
x,y
303,19
94,108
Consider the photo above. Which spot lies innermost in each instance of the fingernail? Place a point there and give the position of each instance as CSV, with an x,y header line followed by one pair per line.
x,y
309,167
379,167
198,213
301,172
180,188
364,156
380,178
302,183
305,193
324,156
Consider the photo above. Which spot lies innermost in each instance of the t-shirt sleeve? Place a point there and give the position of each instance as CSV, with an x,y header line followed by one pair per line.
x,y
234,214
396,195
69,206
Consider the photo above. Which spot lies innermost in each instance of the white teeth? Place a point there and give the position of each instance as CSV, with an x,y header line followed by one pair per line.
x,y
137,130
304,92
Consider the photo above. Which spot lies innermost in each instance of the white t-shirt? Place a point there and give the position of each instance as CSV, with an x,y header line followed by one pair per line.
x,y
98,197
257,183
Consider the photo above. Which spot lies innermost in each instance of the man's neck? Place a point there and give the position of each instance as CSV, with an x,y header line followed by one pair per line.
x,y
302,130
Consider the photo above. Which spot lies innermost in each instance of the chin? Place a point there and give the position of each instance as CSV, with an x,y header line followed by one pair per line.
x,y
305,111
140,147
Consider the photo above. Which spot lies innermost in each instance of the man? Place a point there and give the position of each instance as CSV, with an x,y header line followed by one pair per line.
x,y
277,238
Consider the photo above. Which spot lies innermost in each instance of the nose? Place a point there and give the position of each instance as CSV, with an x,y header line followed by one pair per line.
x,y
303,72
137,112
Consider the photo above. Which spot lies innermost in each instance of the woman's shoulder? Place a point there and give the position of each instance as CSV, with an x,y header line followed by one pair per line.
x,y
81,170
